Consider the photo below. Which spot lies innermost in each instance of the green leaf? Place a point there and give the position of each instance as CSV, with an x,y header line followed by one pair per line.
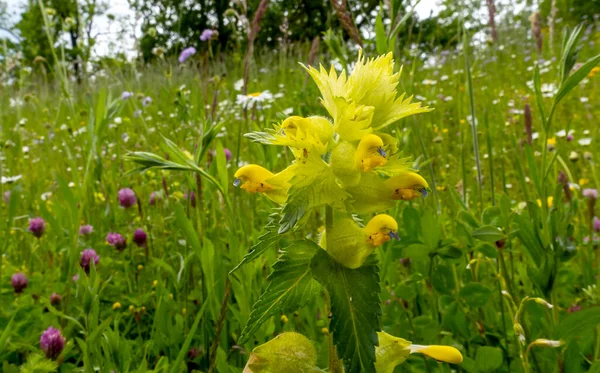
x,y
291,286
488,359
578,323
265,242
355,308
443,280
575,78
37,363
475,294
188,340
488,233
380,36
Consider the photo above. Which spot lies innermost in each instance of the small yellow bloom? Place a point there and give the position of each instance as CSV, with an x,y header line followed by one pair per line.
x,y
184,311
462,121
552,141
254,94
154,283
324,330
99,197
583,181
550,201
131,308
284,319
177,195
116,306
140,267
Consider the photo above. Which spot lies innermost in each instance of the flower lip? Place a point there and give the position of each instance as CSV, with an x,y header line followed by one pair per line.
x,y
394,235
381,152
237,182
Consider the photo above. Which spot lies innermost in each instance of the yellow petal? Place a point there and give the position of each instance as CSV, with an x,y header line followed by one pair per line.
x,y
441,353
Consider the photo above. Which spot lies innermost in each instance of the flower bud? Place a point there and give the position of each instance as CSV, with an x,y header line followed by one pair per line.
x,y
52,342
37,226
140,237
127,197
116,240
87,256
85,230
55,299
19,282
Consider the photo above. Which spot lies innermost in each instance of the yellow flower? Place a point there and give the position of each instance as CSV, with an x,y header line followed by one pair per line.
x,y
116,306
393,351
550,201
583,181
154,283
366,100
594,71
254,94
351,244
284,319
552,141
256,179
99,197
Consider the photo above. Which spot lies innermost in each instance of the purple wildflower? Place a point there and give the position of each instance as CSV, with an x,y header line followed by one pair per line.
x,y
186,53
127,197
52,342
76,277
570,137
590,193
140,237
6,197
191,197
207,34
126,95
147,101
117,240
596,224
227,154
87,256
154,197
55,299
19,282
85,230
37,226
137,113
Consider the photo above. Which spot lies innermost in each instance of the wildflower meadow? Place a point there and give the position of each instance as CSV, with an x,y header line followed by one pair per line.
x,y
300,186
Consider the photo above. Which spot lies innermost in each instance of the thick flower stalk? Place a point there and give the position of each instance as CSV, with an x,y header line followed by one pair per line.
x,y
345,162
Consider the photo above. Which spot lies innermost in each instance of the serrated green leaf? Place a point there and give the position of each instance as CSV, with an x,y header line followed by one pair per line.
x,y
355,308
291,286
265,242
37,363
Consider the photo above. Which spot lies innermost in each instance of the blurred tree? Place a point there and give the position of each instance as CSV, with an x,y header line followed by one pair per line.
x,y
572,11
71,25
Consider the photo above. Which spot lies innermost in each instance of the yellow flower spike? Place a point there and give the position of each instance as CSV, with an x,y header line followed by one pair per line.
x,y
351,245
256,179
446,354
369,153
368,96
407,186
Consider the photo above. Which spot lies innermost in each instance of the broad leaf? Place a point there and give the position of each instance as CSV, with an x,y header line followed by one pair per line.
x,y
355,308
265,242
488,233
291,286
578,323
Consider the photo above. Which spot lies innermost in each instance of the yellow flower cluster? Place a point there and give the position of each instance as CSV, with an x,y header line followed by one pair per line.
x,y
346,162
